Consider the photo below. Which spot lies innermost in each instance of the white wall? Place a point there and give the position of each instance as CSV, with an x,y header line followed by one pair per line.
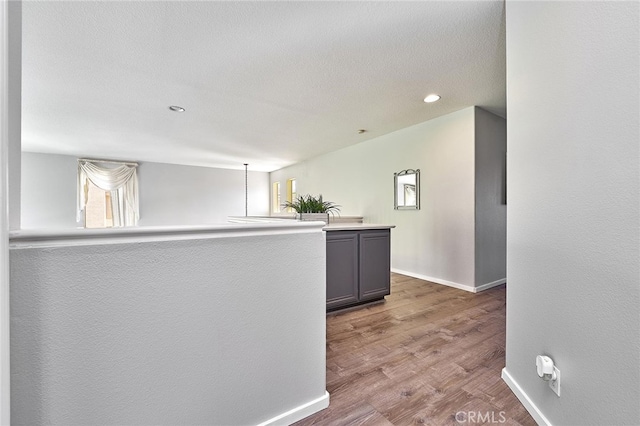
x,y
48,190
14,110
574,207
169,194
213,328
436,242
187,195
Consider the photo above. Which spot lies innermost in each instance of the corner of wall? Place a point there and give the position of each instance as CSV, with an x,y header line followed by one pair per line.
x,y
5,319
490,144
522,396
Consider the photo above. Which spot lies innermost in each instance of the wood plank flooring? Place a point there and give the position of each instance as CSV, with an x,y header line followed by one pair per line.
x,y
429,355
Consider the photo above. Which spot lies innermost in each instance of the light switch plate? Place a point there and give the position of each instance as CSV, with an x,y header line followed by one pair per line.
x,y
555,384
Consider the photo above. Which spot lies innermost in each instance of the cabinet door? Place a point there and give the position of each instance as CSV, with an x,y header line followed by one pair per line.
x,y
375,263
342,268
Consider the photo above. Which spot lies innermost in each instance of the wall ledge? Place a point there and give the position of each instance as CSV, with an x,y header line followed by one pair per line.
x,y
524,399
299,413
29,238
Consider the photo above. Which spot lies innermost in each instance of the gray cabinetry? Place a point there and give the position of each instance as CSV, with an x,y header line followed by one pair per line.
x,y
358,267
342,269
374,265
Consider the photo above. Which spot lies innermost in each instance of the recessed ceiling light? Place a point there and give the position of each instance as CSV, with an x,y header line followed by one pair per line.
x,y
432,98
176,108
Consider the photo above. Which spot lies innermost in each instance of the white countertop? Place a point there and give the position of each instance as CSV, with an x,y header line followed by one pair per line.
x,y
342,223
332,226
355,226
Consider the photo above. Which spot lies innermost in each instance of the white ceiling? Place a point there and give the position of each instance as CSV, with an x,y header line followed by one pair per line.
x,y
266,83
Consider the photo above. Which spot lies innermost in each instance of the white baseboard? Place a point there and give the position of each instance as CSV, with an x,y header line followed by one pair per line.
x,y
489,285
451,283
299,413
524,399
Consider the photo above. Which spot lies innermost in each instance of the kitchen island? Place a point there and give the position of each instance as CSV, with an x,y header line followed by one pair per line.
x,y
358,264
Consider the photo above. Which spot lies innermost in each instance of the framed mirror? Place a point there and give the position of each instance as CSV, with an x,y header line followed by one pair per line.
x,y
407,190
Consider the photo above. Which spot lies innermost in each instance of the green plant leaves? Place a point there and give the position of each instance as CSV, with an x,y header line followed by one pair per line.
x,y
310,204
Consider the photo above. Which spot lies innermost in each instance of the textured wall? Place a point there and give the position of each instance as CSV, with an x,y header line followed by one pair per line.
x,y
170,194
573,207
221,331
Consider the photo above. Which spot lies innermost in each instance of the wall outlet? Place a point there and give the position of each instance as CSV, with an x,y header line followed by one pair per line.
x,y
555,384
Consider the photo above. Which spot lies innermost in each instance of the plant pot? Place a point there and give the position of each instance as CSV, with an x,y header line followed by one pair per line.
x,y
321,217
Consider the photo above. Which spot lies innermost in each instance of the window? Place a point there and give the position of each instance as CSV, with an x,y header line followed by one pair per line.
x,y
107,194
98,212
292,192
275,198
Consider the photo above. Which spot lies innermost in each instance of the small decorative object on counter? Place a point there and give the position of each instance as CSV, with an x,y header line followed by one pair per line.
x,y
309,207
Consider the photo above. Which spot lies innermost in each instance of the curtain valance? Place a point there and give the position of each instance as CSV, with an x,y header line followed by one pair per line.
x,y
120,180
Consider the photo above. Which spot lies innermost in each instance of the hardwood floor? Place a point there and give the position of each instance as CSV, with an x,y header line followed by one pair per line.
x,y
429,355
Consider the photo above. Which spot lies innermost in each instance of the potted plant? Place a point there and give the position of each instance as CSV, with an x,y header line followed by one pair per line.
x,y
309,207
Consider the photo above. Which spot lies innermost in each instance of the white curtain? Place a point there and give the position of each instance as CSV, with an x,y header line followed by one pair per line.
x,y
121,181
